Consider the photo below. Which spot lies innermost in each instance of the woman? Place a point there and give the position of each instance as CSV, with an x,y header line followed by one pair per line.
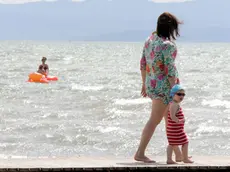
x,y
43,67
159,75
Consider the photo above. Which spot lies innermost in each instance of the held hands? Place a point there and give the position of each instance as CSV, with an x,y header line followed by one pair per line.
x,y
143,90
177,81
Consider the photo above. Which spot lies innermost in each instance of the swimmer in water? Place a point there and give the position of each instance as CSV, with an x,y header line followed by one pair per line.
x,y
44,66
41,70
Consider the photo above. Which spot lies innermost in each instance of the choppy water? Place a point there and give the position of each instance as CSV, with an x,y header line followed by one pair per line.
x,y
95,108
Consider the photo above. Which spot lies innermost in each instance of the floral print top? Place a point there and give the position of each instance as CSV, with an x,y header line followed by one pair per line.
x,y
158,59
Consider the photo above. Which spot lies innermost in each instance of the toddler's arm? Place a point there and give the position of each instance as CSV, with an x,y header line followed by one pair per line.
x,y
173,110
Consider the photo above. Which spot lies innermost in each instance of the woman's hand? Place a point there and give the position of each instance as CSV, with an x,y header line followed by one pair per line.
x,y
178,81
172,81
143,90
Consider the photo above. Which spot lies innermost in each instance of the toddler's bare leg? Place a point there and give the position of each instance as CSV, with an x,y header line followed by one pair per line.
x,y
169,155
186,159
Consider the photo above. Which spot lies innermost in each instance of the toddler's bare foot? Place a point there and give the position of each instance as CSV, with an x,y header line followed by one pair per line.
x,y
188,161
181,159
170,161
143,159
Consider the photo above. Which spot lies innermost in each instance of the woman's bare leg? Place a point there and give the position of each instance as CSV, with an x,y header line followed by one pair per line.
x,y
158,109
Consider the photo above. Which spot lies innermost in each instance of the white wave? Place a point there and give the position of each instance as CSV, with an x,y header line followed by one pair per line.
x,y
118,112
87,88
132,101
205,128
49,136
216,103
2,156
107,129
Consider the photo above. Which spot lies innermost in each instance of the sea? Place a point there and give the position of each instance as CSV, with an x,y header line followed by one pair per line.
x,y
96,109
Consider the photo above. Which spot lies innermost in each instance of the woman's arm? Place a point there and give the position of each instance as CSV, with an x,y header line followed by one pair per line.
x,y
143,72
143,66
143,76
169,53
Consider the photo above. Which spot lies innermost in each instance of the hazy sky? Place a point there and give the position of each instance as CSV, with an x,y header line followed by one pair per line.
x,y
27,1
111,20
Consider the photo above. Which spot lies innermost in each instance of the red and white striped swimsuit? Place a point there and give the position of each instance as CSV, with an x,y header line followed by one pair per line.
x,y
175,131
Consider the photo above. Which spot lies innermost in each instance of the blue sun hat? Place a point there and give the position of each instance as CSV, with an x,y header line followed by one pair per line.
x,y
174,90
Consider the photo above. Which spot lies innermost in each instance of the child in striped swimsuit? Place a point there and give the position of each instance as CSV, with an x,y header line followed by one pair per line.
x,y
175,126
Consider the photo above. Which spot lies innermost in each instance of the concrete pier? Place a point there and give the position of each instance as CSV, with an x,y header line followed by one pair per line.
x,y
202,163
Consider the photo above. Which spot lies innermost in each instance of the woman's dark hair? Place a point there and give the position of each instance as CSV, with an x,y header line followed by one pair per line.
x,y
167,26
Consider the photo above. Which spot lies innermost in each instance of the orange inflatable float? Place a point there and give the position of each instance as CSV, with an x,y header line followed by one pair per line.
x,y
37,77
51,78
